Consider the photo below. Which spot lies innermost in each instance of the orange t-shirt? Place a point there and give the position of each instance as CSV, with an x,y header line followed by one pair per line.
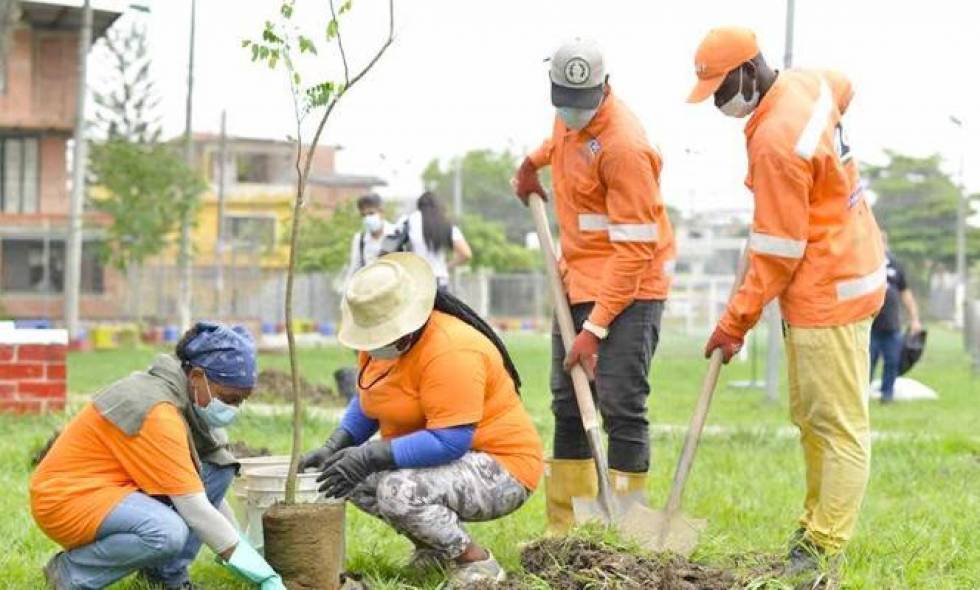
x,y
93,465
451,377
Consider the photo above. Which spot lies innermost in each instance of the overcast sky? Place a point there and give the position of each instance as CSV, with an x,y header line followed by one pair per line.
x,y
464,75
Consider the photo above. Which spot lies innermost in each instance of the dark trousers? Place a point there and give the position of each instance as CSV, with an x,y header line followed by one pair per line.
x,y
620,390
887,345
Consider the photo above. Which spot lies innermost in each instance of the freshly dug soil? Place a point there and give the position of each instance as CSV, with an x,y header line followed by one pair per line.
x,y
305,544
578,564
276,386
241,450
38,453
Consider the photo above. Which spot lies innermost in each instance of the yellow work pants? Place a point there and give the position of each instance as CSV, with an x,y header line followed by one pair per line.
x,y
828,377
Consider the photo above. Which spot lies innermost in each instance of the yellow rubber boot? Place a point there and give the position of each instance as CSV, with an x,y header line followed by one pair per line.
x,y
624,482
566,479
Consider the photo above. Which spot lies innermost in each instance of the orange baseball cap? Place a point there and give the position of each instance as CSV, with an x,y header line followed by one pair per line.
x,y
722,50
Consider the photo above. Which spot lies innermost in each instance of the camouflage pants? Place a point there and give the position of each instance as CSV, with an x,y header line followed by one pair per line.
x,y
428,505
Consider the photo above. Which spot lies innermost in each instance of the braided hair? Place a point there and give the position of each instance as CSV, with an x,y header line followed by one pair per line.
x,y
449,304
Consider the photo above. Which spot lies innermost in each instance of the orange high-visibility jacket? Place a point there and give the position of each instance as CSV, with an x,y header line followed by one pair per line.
x,y
617,244
814,243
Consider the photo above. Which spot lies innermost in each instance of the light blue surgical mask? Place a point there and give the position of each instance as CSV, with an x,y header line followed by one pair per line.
x,y
217,413
372,222
576,118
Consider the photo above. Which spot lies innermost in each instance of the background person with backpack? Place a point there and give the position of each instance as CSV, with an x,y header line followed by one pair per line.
x,y
429,233
365,246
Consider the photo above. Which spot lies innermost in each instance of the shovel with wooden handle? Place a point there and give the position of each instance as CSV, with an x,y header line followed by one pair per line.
x,y
607,507
669,529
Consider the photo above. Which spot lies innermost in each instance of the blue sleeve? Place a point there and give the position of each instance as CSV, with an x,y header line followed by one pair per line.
x,y
428,448
357,423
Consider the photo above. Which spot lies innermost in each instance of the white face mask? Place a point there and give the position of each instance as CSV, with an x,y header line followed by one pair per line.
x,y
737,106
576,118
372,222
386,352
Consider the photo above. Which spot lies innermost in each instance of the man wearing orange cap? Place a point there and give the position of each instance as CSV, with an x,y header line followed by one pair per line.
x,y
616,251
816,246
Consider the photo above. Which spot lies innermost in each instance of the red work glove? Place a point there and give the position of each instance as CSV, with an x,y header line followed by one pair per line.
x,y
729,345
526,182
585,351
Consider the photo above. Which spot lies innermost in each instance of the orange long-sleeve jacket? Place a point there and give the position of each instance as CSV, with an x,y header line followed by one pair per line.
x,y
617,244
814,243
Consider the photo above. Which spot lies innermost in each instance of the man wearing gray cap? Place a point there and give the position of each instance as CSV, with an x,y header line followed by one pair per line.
x,y
617,247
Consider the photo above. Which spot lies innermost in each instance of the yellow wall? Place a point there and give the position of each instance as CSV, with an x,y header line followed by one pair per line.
x,y
204,237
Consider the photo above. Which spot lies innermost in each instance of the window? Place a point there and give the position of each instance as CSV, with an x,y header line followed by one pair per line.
x,y
255,168
251,231
18,174
25,270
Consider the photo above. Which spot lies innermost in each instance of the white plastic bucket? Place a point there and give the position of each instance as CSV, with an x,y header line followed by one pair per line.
x,y
264,486
250,464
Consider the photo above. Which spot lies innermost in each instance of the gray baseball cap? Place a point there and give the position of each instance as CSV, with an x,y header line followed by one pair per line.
x,y
577,74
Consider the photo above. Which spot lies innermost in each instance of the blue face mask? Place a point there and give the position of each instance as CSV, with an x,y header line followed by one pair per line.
x,y
217,413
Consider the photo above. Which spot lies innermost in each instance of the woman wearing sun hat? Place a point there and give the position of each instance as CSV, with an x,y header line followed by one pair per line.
x,y
456,442
136,481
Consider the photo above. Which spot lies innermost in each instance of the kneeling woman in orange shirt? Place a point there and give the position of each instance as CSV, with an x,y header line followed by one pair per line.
x,y
137,479
456,442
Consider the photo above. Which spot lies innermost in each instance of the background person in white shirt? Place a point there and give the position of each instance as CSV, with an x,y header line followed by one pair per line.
x,y
365,246
433,236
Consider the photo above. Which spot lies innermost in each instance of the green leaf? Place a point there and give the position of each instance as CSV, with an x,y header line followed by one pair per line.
x,y
287,10
319,95
246,43
296,78
264,52
332,28
269,34
345,7
255,52
273,58
305,44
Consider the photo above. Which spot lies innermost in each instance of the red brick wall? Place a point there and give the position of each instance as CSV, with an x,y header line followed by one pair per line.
x,y
41,76
32,377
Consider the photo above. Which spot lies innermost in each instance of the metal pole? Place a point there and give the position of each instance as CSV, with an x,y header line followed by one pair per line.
x,y
186,279
790,18
219,245
458,191
73,245
962,281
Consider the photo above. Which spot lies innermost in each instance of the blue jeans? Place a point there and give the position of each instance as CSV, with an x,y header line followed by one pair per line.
x,y
886,344
141,533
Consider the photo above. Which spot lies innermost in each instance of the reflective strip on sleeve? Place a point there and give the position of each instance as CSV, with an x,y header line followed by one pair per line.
x,y
806,145
854,288
593,222
775,246
633,232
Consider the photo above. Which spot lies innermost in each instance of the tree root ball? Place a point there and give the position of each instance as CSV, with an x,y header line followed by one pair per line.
x,y
305,544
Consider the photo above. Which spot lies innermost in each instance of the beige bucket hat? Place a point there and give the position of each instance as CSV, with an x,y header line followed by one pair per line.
x,y
387,299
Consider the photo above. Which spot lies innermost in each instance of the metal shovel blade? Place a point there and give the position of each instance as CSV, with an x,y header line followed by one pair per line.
x,y
588,509
660,531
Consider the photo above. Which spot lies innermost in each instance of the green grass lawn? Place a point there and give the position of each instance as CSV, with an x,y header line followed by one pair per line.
x,y
920,527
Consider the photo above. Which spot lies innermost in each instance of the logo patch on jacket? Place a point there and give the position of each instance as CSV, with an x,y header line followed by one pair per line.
x,y
594,146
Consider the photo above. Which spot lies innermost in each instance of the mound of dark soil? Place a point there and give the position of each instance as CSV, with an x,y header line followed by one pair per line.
x,y
579,564
275,386
242,450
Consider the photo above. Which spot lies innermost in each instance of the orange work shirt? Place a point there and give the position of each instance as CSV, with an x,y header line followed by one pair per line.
x,y
814,242
617,243
93,466
451,377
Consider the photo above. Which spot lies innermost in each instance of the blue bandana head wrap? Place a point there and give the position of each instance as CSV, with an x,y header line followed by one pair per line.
x,y
226,354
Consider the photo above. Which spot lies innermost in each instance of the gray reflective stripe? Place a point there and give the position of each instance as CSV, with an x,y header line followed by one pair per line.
x,y
592,222
854,288
633,232
776,246
806,145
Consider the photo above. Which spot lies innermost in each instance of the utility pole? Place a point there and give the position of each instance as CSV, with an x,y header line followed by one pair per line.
x,y
186,279
790,21
219,244
458,191
73,246
962,280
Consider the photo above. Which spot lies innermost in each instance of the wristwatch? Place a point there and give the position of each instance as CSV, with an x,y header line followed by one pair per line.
x,y
598,331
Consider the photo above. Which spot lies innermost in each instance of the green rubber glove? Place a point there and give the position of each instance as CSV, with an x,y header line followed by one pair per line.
x,y
247,563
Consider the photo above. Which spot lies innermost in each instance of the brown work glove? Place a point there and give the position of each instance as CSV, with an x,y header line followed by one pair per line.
x,y
526,182
729,345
